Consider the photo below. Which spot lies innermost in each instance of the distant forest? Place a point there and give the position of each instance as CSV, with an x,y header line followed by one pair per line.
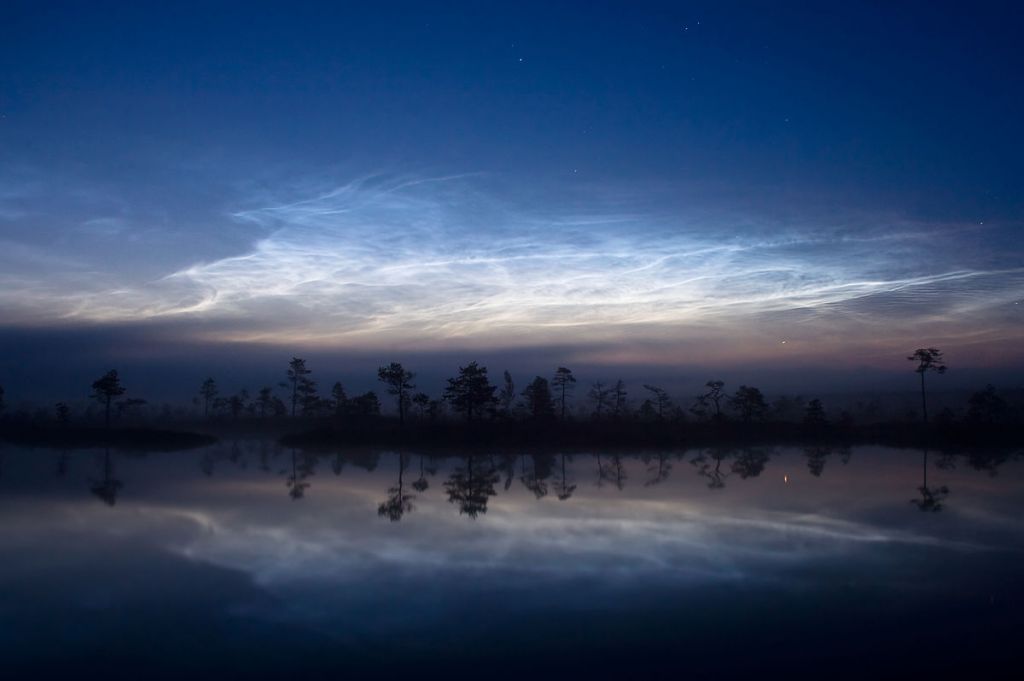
x,y
554,409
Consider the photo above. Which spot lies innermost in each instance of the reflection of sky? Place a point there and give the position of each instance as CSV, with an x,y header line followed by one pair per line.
x,y
181,546
678,529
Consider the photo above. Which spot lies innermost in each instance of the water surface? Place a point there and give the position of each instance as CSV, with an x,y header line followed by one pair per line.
x,y
248,560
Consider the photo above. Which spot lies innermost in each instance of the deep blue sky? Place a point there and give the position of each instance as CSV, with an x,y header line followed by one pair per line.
x,y
687,184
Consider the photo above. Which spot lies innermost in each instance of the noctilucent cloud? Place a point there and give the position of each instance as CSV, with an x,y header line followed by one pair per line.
x,y
648,183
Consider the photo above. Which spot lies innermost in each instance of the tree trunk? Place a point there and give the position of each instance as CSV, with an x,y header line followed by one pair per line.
x,y
924,403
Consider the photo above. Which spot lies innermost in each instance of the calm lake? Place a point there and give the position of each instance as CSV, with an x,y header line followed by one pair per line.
x,y
252,561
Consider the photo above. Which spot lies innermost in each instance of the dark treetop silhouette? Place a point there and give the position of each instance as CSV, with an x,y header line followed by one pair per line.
x,y
928,359
470,392
105,389
564,383
399,383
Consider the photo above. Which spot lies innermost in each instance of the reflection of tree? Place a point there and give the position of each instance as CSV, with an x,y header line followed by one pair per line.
x,y
988,460
611,471
563,489
750,462
235,455
264,456
816,458
471,486
658,468
932,498
63,460
206,463
421,484
398,502
709,465
534,478
108,487
302,468
509,465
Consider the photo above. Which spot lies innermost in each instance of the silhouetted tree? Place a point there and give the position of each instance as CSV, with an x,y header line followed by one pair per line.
x,y
238,402
601,396
986,407
398,502
105,389
208,391
787,408
422,401
660,401
130,406
712,399
507,396
470,392
749,403
2,405
298,377
814,415
928,359
265,401
564,383
339,399
399,383
619,398
537,397
63,412
309,401
366,404
471,486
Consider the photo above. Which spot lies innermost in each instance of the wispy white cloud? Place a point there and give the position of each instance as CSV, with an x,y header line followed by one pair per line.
x,y
432,260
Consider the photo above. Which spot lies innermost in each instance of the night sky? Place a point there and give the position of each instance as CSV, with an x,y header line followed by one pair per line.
x,y
687,189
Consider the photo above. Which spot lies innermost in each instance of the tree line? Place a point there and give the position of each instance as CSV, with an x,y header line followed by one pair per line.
x,y
471,396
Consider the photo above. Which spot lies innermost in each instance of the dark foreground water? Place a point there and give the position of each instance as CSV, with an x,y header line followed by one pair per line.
x,y
251,561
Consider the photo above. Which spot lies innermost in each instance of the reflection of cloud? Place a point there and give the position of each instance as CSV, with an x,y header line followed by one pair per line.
x,y
857,518
691,545
633,537
435,260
